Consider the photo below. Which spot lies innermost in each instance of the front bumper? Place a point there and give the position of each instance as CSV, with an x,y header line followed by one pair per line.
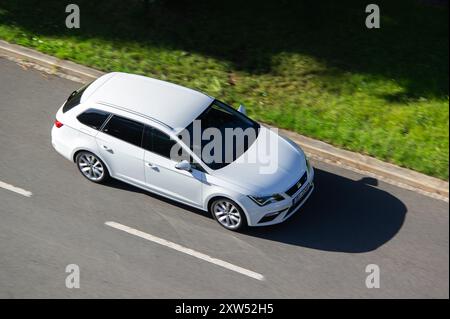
x,y
284,209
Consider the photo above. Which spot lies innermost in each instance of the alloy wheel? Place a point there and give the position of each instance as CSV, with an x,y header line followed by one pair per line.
x,y
227,214
91,167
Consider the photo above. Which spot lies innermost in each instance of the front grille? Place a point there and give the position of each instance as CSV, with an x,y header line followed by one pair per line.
x,y
291,191
294,207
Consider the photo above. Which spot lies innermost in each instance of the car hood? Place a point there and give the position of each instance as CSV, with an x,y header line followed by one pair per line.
x,y
272,164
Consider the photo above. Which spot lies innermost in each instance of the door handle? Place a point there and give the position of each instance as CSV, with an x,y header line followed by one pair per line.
x,y
151,165
107,148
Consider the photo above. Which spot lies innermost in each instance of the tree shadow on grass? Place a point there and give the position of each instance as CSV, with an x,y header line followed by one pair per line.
x,y
341,215
411,47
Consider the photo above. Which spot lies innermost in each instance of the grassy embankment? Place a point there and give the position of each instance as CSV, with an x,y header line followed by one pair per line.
x,y
308,66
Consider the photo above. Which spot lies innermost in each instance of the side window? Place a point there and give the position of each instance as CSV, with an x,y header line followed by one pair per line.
x,y
127,130
93,118
160,143
157,142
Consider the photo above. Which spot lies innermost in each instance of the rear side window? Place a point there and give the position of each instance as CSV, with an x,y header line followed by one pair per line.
x,y
127,130
157,142
74,98
93,118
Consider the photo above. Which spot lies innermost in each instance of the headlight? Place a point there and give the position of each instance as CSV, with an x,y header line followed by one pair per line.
x,y
264,200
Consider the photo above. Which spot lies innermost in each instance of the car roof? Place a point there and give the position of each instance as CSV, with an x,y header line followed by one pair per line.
x,y
173,105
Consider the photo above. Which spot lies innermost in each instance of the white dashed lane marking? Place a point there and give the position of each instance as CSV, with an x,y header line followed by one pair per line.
x,y
187,251
15,189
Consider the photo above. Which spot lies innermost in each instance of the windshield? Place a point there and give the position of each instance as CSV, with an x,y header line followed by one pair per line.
x,y
220,135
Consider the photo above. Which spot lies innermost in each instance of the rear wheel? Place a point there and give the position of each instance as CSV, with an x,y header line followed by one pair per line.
x,y
91,167
228,214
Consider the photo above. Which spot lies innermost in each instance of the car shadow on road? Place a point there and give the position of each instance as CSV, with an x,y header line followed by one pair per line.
x,y
342,215
127,187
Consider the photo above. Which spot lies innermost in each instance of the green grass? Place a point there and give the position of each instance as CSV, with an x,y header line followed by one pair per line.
x,y
309,66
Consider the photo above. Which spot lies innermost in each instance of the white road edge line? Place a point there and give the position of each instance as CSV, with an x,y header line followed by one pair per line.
x,y
185,250
15,189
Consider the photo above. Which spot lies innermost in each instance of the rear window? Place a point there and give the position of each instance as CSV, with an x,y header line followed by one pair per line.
x,y
74,98
93,118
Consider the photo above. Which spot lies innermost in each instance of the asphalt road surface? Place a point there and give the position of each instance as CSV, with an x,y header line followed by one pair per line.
x,y
350,221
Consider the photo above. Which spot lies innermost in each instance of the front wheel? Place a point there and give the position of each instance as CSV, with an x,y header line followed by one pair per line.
x,y
92,167
228,214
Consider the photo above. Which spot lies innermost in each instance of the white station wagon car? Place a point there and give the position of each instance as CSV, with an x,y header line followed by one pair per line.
x,y
127,126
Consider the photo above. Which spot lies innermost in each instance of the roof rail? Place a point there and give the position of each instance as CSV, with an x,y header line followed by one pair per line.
x,y
136,113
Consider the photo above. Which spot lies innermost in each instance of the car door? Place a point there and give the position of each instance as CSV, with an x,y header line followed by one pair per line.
x,y
119,143
161,174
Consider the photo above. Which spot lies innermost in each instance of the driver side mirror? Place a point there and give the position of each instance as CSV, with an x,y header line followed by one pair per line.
x,y
184,165
242,109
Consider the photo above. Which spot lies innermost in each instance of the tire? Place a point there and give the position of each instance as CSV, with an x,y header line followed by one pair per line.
x,y
91,167
228,214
